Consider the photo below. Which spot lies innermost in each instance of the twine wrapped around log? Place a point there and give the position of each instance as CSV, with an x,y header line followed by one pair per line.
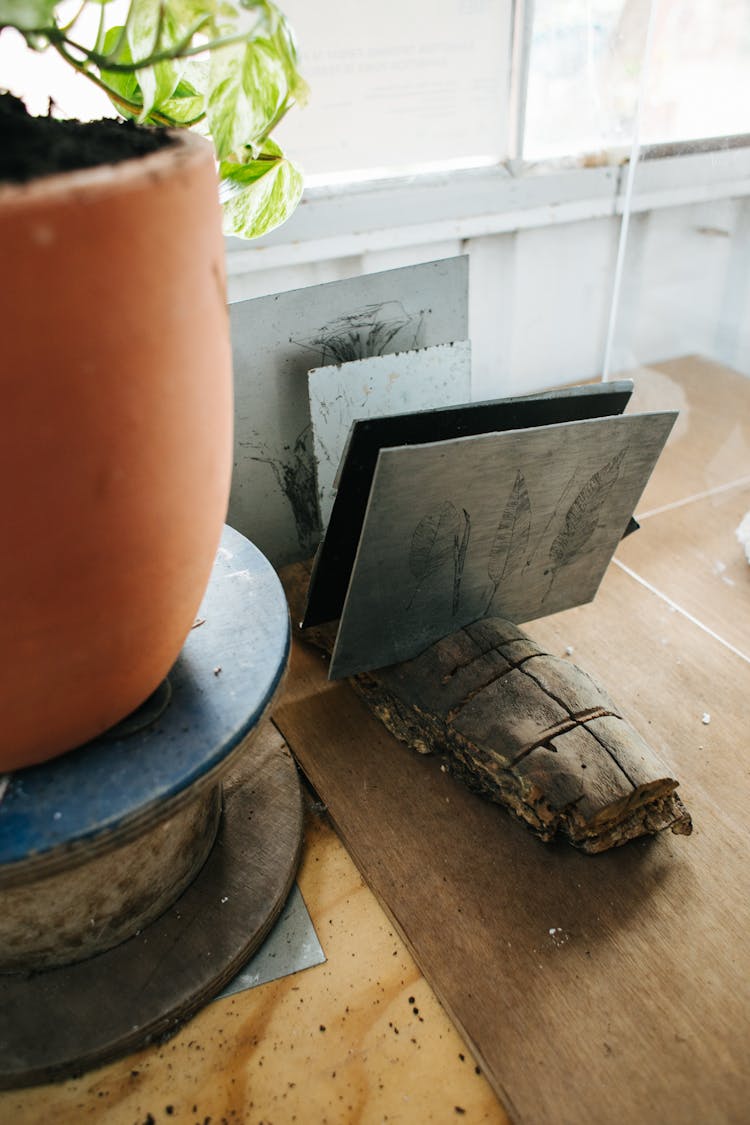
x,y
524,728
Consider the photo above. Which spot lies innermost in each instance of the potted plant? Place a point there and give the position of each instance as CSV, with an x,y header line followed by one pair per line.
x,y
115,367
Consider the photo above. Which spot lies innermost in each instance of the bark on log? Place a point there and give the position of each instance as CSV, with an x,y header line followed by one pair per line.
x,y
524,728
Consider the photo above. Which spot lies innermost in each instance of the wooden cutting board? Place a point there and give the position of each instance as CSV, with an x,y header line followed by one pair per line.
x,y
586,986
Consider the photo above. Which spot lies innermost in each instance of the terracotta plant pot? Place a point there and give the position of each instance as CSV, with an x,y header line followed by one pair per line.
x,y
115,438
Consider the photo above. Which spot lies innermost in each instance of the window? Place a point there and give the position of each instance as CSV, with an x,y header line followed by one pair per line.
x,y
401,87
405,87
586,64
504,129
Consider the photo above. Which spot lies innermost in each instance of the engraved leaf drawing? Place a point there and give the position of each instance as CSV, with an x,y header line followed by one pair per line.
x,y
294,471
432,543
583,515
459,558
509,547
380,336
364,332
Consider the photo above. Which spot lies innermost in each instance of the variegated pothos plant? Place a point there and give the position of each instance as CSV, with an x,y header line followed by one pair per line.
x,y
225,68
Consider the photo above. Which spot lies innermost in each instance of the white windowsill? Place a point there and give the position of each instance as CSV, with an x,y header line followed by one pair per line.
x,y
389,214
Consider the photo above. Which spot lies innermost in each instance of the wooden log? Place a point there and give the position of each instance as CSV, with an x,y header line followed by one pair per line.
x,y
524,728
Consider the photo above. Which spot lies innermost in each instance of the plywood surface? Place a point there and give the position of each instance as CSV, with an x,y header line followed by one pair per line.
x,y
361,1038
578,982
709,446
620,981
634,1009
692,552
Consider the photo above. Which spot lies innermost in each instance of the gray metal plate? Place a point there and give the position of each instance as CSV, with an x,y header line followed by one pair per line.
x,y
276,340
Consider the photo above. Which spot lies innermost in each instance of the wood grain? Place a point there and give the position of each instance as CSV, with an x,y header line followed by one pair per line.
x,y
526,729
665,697
692,554
634,1010
360,1039
529,946
709,446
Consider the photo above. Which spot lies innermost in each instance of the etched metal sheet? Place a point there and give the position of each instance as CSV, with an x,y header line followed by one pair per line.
x,y
335,558
292,945
376,387
277,340
519,524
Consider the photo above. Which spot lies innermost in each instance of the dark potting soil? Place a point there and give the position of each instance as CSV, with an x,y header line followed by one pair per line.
x,y
41,146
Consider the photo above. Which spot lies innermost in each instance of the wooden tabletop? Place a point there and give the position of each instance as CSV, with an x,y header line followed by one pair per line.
x,y
362,1037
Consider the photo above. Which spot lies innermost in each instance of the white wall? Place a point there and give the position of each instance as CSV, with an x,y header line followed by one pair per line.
x,y
687,285
540,296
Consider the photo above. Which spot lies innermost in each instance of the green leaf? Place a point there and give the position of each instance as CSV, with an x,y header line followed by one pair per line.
x,y
169,90
142,24
27,15
173,66
151,28
187,12
247,90
158,84
121,83
220,13
187,104
272,25
259,195
286,48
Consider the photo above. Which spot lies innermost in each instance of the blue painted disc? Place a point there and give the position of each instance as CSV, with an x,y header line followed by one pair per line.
x,y
115,787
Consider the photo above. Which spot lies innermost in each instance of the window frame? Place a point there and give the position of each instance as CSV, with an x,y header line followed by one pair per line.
x,y
413,211
418,210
